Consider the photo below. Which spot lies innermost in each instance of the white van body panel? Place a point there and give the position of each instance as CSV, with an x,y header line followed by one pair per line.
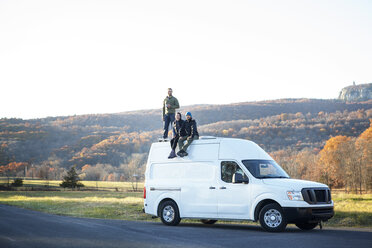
x,y
241,149
194,182
234,200
294,184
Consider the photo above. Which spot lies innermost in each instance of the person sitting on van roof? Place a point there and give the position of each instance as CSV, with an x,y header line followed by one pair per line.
x,y
191,132
179,130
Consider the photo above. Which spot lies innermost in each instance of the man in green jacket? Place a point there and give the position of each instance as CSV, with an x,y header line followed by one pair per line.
x,y
170,104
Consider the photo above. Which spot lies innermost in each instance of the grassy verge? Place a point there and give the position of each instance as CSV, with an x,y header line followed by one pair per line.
x,y
351,210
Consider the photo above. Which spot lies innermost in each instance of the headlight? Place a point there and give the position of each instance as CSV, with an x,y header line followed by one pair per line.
x,y
295,195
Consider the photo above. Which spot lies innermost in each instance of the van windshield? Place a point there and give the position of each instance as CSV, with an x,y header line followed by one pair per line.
x,y
265,169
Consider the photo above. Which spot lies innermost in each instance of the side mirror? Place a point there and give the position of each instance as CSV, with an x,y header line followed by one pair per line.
x,y
238,178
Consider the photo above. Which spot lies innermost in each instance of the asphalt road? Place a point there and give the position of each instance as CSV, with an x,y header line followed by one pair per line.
x,y
26,228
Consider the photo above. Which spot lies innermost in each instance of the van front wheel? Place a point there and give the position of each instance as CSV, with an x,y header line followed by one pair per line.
x,y
208,222
169,213
272,218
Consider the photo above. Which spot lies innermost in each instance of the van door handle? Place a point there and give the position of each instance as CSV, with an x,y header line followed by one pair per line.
x,y
223,187
211,187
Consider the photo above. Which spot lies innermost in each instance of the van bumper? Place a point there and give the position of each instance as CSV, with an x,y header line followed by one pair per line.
x,y
294,215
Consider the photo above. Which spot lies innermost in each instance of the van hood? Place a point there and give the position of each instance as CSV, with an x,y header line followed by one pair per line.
x,y
292,184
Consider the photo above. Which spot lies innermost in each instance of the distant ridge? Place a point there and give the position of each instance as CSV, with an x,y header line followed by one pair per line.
x,y
150,119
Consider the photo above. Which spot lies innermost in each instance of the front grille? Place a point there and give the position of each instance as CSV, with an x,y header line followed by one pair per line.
x,y
316,195
320,195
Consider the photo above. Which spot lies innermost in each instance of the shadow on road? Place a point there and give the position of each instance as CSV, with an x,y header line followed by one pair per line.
x,y
290,228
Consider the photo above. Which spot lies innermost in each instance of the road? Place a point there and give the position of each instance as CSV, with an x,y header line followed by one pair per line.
x,y
26,228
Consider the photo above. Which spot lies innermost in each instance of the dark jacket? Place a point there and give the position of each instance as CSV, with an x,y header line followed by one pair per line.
x,y
190,128
179,128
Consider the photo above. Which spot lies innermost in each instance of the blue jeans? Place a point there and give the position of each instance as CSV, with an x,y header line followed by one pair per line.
x,y
168,119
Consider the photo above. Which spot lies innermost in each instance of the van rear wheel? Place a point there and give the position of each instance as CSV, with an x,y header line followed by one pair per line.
x,y
208,222
306,225
272,218
169,213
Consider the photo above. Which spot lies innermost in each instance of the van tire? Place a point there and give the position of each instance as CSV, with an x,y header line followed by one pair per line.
x,y
272,218
169,213
208,222
306,226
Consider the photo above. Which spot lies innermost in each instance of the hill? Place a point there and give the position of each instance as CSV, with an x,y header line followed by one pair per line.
x,y
150,120
115,139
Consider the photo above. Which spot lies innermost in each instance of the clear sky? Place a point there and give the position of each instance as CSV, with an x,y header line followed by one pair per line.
x,y
71,57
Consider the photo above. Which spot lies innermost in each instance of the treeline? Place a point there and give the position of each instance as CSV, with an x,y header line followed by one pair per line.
x,y
344,162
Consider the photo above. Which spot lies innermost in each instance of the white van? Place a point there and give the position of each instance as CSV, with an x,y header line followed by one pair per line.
x,y
230,179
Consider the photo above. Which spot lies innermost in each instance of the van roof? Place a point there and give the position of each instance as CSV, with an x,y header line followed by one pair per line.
x,y
210,148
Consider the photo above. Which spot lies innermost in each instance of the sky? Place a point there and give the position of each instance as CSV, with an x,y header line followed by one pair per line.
x,y
70,57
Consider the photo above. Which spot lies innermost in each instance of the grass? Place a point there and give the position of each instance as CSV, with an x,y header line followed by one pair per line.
x,y
351,210
91,204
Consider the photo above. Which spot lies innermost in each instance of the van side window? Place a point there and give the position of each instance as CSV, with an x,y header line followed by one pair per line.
x,y
228,169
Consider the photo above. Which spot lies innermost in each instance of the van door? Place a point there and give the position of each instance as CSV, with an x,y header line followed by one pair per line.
x,y
233,199
199,190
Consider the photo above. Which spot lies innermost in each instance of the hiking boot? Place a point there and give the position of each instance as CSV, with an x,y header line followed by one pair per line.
x,y
185,153
172,154
181,153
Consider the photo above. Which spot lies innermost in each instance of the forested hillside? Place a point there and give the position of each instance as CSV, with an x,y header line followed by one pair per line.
x,y
114,142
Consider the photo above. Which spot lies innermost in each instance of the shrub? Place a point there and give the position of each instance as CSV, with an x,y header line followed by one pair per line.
x,y
18,182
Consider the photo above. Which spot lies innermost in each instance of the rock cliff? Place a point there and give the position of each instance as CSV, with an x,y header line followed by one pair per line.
x,y
356,93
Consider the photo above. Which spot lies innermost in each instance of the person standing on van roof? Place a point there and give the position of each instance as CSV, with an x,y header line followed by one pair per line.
x,y
191,132
170,104
179,129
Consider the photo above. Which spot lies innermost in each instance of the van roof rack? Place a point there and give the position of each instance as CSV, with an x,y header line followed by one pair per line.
x,y
207,137
201,138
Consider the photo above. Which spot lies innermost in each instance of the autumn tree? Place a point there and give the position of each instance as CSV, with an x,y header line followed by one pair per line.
x,y
12,169
285,158
298,164
44,172
333,160
363,146
85,167
307,166
134,169
97,172
54,163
